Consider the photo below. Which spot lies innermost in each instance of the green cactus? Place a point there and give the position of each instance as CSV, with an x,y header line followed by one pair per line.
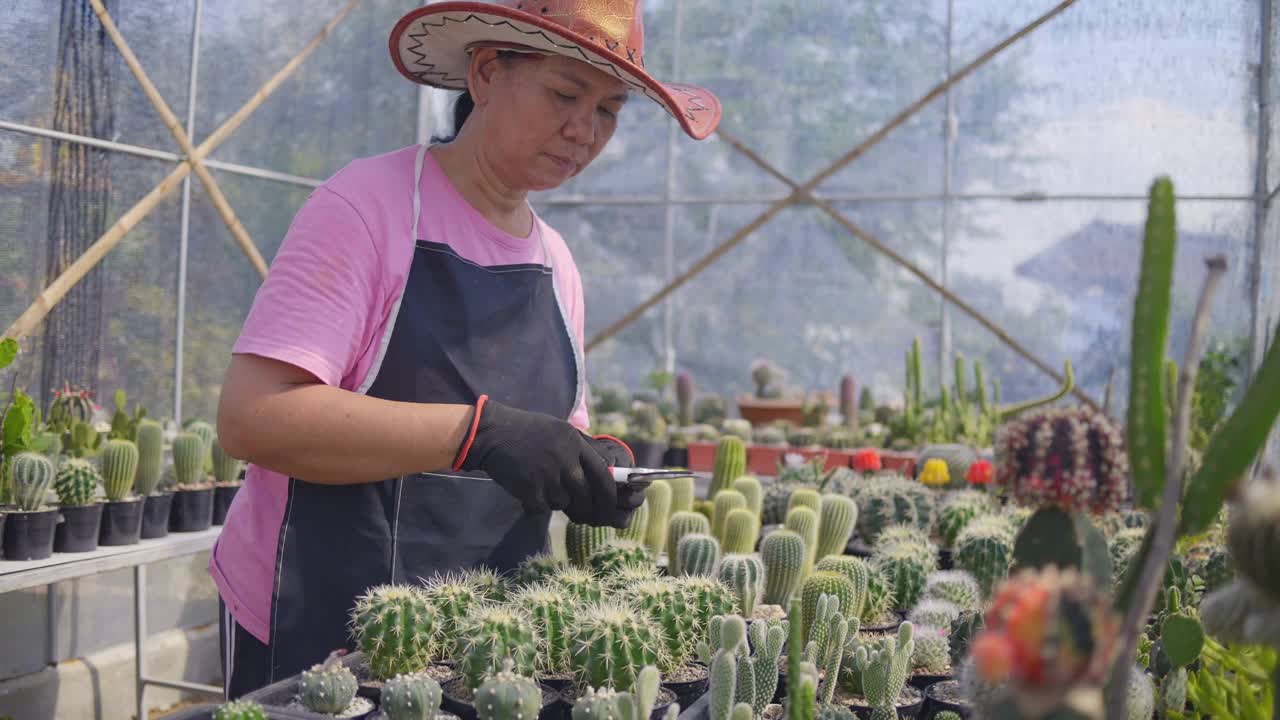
x,y
188,459
783,554
609,704
822,583
508,695
804,522
749,487
932,652
626,577
725,502
638,527
612,557
736,427
880,601
745,574
835,527
611,644
536,569
777,497
683,523
1052,536
30,474
697,554
397,628
453,598
581,541
885,500
884,672
206,433
1173,692
953,517
76,482
667,606
906,572
243,709
741,679
490,633
119,468
954,586
150,457
985,551
226,469
934,612
491,585
857,572
741,531
730,464
411,696
706,597
328,687
805,497
582,585
682,493
658,498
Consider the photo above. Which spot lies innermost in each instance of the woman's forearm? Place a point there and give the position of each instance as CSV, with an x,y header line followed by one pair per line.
x,y
323,434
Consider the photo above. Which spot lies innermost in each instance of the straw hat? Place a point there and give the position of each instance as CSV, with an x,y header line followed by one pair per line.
x,y
430,45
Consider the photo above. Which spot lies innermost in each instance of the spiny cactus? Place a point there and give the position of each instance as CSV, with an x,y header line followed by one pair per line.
x,y
932,650
611,644
725,502
985,551
824,583
490,633
736,427
730,464
582,585
608,704
745,574
667,606
76,482
857,572
934,612
1141,701
835,527
739,680
682,493
749,487
783,554
491,585
226,469
328,687
206,433
658,497
581,541
243,709
684,523
31,474
883,501
880,601
397,628
1071,458
453,599
804,522
697,554
535,569
411,696
551,609
188,459
906,572
773,509
707,597
638,527
609,559
119,468
884,671
958,510
508,695
954,586
741,531
626,577
805,497
150,457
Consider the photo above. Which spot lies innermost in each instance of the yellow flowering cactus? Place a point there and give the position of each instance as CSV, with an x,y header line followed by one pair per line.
x,y
935,473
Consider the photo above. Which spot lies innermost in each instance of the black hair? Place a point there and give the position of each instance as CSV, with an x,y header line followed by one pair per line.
x,y
463,106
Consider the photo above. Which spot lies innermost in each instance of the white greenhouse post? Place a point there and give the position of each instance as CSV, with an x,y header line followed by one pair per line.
x,y
948,146
184,236
1261,195
668,240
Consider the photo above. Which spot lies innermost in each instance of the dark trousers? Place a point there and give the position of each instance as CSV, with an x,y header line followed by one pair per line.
x,y
246,661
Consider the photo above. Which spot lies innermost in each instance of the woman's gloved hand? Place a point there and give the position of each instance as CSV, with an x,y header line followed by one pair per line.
x,y
545,463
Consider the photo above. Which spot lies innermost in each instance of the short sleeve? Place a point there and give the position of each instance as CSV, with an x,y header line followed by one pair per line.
x,y
322,293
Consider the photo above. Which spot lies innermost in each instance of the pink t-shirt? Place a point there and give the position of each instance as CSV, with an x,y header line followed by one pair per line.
x,y
325,305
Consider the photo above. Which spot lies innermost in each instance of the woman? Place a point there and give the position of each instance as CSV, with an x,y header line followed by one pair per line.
x,y
408,387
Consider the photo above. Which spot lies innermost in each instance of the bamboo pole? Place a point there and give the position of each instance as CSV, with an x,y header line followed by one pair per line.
x,y
170,120
51,295
858,151
875,243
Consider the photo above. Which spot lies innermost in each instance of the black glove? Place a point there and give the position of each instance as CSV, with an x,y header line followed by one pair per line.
x,y
544,462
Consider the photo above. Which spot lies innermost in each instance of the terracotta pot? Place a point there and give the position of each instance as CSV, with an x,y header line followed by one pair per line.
x,y
762,412
702,456
763,459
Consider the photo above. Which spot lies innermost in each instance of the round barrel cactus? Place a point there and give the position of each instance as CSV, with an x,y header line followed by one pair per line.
x,y
683,523
954,586
984,549
397,628
582,585
697,554
488,635
76,482
611,645
453,599
857,571
535,569
668,607
1073,458
242,710
612,557
30,474
328,687
412,696
820,583
507,695
707,597
551,608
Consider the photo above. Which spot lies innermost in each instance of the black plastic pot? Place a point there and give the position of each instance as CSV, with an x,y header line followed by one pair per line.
x,y
465,710
922,681
648,454
660,705
29,535
192,510
688,692
1,534
933,706
78,531
121,522
676,457
155,515
913,710
857,548
222,496
278,700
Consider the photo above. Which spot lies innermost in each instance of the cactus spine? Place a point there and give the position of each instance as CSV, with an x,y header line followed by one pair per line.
x,y
490,634
682,494
684,523
750,488
226,469
508,696
658,498
668,608
985,551
745,574
150,456
119,468
730,464
31,475
612,644
397,628
76,482
839,515
188,458
328,687
581,541
414,696
725,502
697,554
783,553
741,531
612,557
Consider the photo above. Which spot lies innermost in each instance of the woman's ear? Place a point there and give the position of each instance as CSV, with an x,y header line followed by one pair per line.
x,y
480,75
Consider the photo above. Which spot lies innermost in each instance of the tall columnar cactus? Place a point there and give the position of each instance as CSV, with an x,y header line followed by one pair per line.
x,y
76,482
582,541
397,628
749,486
984,549
725,502
730,464
684,398
745,574
783,554
226,469
805,497
328,687
824,583
885,671
207,433
1070,458
684,523
188,459
611,558
490,633
638,527
839,516
150,457
682,494
31,474
804,522
667,606
508,695
849,401
857,572
741,531
697,554
658,498
412,696
611,644
955,586
119,468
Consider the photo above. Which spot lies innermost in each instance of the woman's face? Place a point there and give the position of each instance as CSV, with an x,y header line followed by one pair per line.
x,y
545,117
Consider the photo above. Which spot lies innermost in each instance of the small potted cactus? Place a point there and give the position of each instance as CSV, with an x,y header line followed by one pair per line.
x,y
769,402
226,480
192,509
30,521
157,501
328,689
122,512
76,484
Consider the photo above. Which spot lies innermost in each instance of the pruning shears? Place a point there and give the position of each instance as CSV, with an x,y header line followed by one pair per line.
x,y
636,480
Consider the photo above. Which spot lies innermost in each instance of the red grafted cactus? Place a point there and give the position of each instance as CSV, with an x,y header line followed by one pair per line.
x,y
1073,458
866,460
980,473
